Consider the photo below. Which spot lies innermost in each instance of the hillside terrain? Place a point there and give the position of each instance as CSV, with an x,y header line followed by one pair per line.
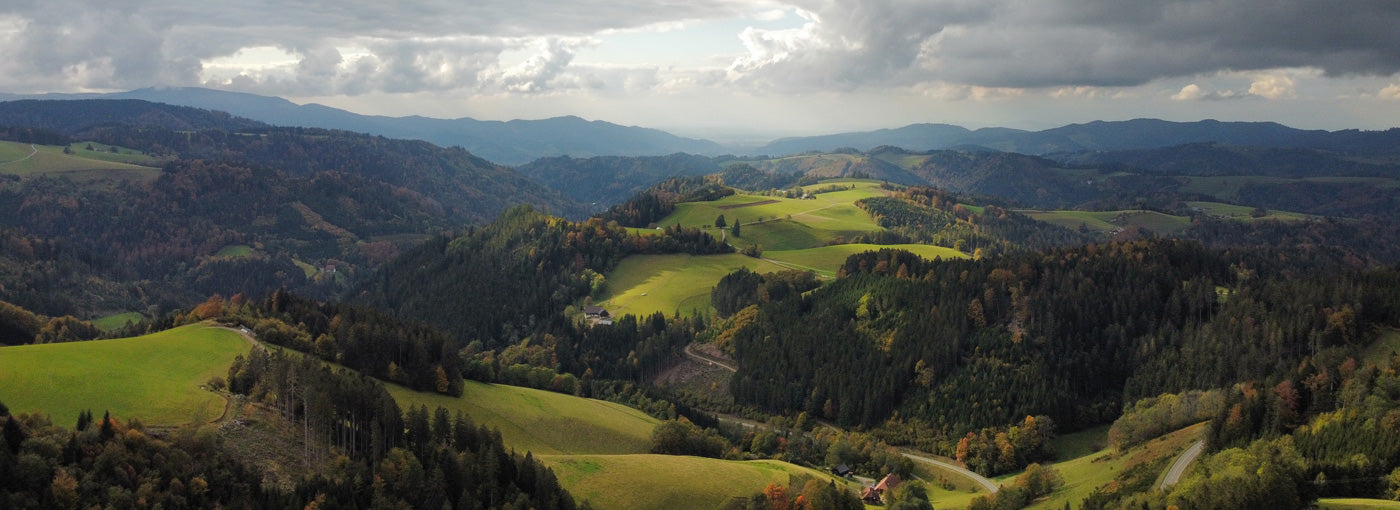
x,y
406,325
150,207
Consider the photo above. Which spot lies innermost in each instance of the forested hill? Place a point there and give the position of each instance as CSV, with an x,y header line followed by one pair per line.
x,y
468,188
73,117
499,282
608,180
1070,333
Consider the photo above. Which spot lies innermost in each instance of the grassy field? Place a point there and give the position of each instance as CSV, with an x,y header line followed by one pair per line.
x,y
645,284
826,260
544,422
960,496
20,159
1084,473
1380,351
667,481
782,223
1103,221
235,250
1245,213
155,377
117,321
1356,504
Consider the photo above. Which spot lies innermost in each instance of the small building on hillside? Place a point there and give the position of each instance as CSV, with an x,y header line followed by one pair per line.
x,y
879,493
870,496
841,471
597,316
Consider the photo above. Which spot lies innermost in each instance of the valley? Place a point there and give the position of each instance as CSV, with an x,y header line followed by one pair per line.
x,y
693,331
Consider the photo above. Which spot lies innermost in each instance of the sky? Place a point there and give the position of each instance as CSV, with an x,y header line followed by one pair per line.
x,y
738,70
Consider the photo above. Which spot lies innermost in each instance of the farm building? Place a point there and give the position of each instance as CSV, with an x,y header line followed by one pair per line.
x,y
876,494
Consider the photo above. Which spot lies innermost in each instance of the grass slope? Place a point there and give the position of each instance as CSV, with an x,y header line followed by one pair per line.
x,y
645,284
544,422
1103,221
117,321
1083,474
1245,213
826,260
782,223
156,377
667,481
1356,504
1385,346
20,159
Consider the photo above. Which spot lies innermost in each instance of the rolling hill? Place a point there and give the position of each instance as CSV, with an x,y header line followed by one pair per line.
x,y
157,378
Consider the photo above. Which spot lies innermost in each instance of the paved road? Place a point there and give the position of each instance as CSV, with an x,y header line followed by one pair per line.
x,y
981,480
1179,467
706,359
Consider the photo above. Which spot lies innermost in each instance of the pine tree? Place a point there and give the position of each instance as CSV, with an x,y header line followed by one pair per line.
x,y
14,435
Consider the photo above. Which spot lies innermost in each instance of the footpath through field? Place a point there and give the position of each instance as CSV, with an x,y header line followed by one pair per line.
x,y
32,151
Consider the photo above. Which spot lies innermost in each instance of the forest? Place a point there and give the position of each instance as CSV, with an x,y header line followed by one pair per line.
x,y
1070,333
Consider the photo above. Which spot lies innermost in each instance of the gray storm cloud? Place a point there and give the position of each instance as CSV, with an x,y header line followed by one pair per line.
x,y
844,45
1056,43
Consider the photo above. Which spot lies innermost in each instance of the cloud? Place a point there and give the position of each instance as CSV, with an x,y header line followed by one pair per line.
x,y
966,48
1069,43
1273,86
96,45
1194,92
1391,91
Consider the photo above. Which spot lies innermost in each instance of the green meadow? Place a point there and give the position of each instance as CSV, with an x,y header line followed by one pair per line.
x,y
826,260
668,481
20,159
117,321
156,377
1385,346
1356,504
1245,213
1095,469
1103,221
645,284
543,422
235,251
783,223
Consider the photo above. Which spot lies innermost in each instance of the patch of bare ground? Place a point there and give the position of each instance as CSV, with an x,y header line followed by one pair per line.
x,y
704,380
265,441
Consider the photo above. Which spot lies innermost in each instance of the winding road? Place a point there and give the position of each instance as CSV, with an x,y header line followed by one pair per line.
x,y
1179,467
981,480
706,359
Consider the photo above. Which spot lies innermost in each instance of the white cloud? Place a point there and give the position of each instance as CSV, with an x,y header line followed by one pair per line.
x,y
1194,92
1391,91
1273,86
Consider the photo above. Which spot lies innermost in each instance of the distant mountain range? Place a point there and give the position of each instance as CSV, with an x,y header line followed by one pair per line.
x,y
512,143
1134,134
518,142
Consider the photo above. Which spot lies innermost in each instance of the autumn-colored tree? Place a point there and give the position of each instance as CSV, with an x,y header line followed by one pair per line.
x,y
777,497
